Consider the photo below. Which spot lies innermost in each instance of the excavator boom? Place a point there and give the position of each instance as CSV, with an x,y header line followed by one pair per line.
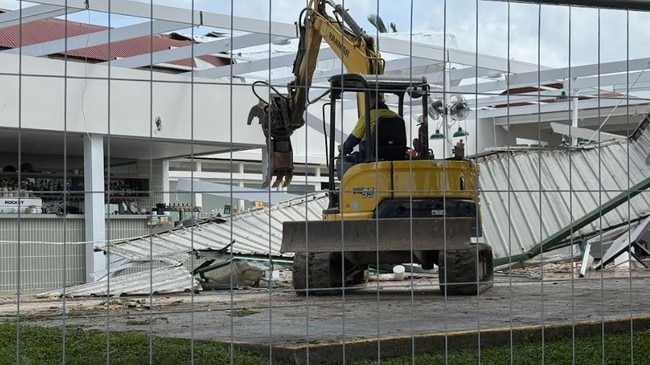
x,y
282,114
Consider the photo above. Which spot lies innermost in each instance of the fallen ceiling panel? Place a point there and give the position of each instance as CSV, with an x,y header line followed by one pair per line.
x,y
164,280
528,195
257,232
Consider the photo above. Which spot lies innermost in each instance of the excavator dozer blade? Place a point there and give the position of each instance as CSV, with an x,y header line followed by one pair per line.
x,y
376,235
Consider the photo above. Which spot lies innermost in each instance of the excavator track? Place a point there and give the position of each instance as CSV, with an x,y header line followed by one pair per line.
x,y
466,271
321,273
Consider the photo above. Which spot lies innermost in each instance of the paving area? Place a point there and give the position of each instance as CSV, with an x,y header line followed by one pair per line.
x,y
408,311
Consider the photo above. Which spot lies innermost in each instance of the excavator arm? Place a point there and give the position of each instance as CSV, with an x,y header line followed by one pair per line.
x,y
284,113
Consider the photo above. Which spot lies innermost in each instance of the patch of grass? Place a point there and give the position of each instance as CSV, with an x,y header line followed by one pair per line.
x,y
146,321
614,349
45,345
243,312
295,315
84,312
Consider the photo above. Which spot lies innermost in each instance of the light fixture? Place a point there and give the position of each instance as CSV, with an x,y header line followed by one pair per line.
x,y
437,135
460,133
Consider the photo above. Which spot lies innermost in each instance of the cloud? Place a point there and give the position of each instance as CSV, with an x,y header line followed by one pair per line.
x,y
556,35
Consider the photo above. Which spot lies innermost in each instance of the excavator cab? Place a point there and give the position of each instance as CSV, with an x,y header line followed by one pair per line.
x,y
387,141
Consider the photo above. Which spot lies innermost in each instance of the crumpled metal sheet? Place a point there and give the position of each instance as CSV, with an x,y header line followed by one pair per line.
x,y
257,232
165,280
527,195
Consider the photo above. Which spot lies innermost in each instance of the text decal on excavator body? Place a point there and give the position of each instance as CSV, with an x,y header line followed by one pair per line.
x,y
339,44
364,192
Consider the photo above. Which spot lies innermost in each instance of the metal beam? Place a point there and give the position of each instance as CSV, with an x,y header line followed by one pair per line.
x,y
534,78
584,133
455,56
193,50
624,79
558,107
96,38
181,15
552,241
533,97
257,65
418,66
33,13
589,84
605,4
629,112
422,55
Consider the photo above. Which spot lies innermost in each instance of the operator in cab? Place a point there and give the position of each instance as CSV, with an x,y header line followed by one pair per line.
x,y
378,109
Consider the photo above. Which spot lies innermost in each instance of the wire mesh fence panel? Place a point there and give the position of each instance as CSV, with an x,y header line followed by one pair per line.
x,y
324,182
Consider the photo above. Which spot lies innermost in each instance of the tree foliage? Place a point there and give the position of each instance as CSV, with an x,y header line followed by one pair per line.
x,y
378,23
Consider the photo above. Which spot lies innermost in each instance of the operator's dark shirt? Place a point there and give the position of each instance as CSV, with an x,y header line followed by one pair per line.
x,y
359,132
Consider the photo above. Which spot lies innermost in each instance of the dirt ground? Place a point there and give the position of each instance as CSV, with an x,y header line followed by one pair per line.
x,y
410,307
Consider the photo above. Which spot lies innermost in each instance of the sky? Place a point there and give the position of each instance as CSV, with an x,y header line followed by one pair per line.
x,y
555,36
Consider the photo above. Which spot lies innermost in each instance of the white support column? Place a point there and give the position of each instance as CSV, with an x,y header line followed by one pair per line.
x,y
198,200
95,221
198,197
165,181
241,204
574,121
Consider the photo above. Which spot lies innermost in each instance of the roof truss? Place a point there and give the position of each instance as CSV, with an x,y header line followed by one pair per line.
x,y
474,73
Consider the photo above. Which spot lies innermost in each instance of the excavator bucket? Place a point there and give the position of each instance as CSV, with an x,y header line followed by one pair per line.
x,y
376,235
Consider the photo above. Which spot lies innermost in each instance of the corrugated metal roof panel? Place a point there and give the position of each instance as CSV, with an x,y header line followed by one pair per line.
x,y
260,231
46,30
254,232
170,279
526,196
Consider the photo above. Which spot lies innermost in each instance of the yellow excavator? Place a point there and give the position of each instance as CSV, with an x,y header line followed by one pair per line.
x,y
393,203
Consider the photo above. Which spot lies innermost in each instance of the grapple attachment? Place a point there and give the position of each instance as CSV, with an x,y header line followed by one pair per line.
x,y
275,118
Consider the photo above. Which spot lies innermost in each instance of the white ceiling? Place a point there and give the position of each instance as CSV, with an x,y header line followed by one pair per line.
x,y
117,148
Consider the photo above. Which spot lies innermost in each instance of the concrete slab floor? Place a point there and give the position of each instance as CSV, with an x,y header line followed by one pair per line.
x,y
410,312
